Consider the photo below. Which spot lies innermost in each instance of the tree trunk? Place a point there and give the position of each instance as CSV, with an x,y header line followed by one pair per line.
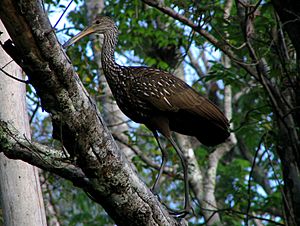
x,y
21,197
105,173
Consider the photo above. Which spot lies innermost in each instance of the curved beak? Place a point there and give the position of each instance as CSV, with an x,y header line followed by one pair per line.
x,y
80,35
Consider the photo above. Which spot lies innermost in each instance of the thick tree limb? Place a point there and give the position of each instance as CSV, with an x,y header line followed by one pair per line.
x,y
76,120
16,146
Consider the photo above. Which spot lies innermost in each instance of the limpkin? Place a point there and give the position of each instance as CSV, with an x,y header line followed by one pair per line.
x,y
158,99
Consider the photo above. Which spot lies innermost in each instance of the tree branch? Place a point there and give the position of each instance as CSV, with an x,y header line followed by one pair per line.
x,y
213,40
171,171
76,120
15,146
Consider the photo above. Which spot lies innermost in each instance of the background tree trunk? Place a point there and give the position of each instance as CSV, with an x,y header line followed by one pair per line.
x,y
21,197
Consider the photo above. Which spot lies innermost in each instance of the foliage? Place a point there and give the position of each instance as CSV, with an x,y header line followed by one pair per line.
x,y
148,37
74,205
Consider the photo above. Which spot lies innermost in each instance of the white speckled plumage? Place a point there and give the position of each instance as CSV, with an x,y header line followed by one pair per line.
x,y
161,101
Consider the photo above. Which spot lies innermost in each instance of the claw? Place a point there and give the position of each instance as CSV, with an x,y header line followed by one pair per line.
x,y
180,214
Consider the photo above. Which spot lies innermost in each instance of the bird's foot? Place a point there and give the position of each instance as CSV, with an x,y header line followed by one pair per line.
x,y
180,214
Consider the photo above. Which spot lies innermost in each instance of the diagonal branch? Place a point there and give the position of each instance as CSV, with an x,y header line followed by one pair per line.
x,y
223,46
16,146
76,120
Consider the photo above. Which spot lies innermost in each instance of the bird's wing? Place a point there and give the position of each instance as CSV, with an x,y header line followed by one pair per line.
x,y
170,94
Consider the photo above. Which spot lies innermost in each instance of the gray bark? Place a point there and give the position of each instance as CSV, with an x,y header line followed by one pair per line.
x,y
21,196
96,164
51,210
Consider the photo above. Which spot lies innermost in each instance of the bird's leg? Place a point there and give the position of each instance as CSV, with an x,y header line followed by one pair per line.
x,y
187,204
162,166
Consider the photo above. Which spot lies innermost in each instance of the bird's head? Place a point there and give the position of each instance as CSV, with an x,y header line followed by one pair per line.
x,y
100,25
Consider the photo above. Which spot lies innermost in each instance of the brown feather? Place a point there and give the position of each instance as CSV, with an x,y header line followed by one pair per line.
x,y
187,111
159,100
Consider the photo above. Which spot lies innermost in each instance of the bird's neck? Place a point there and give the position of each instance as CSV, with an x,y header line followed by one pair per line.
x,y
110,67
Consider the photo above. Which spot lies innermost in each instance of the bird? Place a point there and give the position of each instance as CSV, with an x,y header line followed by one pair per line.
x,y
161,101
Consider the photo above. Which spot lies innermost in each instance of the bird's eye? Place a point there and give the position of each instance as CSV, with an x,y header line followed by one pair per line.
x,y
97,22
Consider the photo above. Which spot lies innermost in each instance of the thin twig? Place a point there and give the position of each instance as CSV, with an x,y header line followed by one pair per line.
x,y
250,177
254,8
7,63
237,213
34,112
63,13
118,123
167,170
213,40
15,78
